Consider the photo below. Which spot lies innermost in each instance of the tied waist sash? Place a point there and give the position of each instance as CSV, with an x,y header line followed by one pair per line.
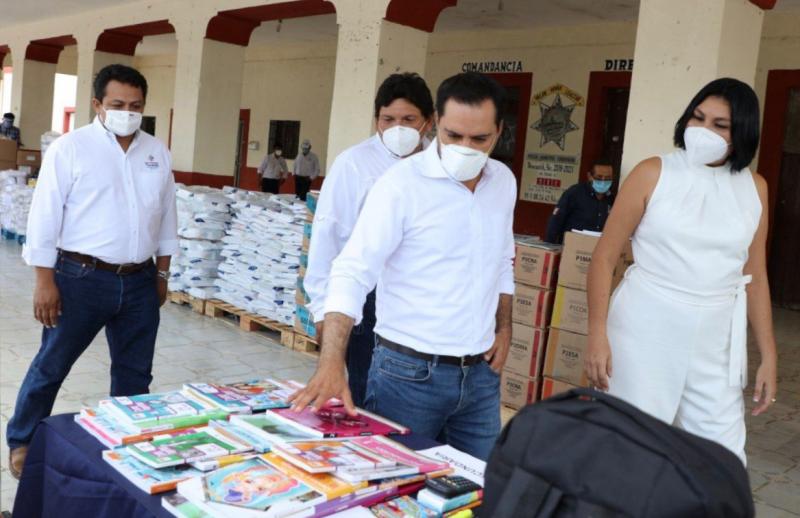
x,y
737,359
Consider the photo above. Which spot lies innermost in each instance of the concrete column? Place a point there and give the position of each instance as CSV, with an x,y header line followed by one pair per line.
x,y
681,45
32,95
90,61
208,91
369,49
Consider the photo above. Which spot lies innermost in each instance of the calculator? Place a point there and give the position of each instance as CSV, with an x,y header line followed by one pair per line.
x,y
451,486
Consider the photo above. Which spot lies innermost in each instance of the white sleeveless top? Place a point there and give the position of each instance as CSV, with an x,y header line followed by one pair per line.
x,y
698,226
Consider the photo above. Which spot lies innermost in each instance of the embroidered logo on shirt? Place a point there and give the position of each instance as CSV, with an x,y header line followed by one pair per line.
x,y
151,162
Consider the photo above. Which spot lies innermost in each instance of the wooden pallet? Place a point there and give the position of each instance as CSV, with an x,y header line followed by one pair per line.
x,y
180,297
250,322
305,344
506,413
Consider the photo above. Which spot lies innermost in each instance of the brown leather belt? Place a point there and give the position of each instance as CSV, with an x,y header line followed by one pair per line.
x,y
462,361
119,269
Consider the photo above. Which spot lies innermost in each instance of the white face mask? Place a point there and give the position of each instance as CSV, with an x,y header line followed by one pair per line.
x,y
462,163
122,123
401,140
278,152
703,146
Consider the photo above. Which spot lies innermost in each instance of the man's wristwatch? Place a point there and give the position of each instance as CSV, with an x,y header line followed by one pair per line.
x,y
163,274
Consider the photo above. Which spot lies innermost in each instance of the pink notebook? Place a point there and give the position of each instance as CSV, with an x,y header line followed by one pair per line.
x,y
333,421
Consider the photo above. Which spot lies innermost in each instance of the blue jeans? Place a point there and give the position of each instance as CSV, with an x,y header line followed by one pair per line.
x,y
359,352
128,307
459,406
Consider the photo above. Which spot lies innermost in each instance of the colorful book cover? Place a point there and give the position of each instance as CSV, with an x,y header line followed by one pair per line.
x,y
403,507
165,451
442,504
150,412
113,433
395,451
325,483
146,478
334,421
398,470
243,397
239,433
256,484
328,456
179,506
271,428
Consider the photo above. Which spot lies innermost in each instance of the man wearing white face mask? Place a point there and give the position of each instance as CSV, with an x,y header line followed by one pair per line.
x,y
436,236
403,113
103,208
273,170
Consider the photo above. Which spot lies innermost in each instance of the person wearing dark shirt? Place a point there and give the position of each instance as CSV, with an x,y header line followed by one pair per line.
x,y
584,206
7,128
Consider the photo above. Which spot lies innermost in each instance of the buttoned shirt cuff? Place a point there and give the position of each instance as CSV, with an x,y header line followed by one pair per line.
x,y
167,247
346,297
42,257
317,310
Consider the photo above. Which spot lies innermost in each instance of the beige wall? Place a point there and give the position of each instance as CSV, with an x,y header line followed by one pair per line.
x,y
160,74
294,83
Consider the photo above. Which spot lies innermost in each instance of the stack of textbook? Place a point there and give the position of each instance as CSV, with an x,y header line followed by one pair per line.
x,y
238,450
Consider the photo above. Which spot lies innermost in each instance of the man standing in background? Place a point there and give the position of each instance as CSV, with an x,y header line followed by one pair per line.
x,y
403,114
306,170
103,207
273,170
7,128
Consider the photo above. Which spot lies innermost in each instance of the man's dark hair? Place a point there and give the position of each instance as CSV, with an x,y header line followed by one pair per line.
x,y
409,86
9,115
744,118
472,88
602,162
277,145
124,74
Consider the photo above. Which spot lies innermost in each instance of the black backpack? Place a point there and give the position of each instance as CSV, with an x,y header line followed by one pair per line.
x,y
587,454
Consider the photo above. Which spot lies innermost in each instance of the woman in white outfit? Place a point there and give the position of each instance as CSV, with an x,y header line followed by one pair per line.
x,y
675,330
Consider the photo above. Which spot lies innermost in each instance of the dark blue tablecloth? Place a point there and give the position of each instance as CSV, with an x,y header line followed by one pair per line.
x,y
65,476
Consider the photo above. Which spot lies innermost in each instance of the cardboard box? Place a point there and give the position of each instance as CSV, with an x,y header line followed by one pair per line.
x,y
532,306
577,256
527,350
565,356
8,164
29,157
8,151
517,391
303,323
301,297
571,311
312,198
306,243
551,387
536,264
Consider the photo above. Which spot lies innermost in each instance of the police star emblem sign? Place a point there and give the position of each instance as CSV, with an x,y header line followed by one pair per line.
x,y
555,122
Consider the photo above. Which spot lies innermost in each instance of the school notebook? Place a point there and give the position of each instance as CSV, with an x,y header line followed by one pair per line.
x,y
148,479
334,421
204,444
242,397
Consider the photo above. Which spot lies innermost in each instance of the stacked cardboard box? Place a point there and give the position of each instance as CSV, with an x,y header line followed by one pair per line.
x,y
8,154
535,272
304,322
566,346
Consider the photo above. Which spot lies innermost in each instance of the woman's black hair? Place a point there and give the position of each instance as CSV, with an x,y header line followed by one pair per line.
x,y
409,86
744,118
122,73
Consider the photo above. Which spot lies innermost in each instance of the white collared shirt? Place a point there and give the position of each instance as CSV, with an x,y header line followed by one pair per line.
x,y
443,255
344,190
93,198
306,165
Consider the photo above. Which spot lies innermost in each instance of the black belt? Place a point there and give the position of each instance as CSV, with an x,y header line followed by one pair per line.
x,y
119,269
461,361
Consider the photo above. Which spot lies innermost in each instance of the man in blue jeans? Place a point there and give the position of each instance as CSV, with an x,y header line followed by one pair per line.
x,y
104,205
436,229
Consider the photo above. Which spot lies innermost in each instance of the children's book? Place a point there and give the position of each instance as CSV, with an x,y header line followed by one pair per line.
x,y
259,443
334,421
203,444
243,397
255,485
114,433
325,483
179,506
270,428
162,411
146,478
327,456
403,507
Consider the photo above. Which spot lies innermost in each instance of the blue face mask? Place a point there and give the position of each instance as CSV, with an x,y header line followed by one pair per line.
x,y
601,186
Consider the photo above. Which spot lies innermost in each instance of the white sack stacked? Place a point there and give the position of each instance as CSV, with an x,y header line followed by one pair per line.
x,y
15,201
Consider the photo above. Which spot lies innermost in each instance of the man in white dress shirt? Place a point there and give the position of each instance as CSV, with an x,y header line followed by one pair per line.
x,y
305,170
273,170
436,235
403,115
103,207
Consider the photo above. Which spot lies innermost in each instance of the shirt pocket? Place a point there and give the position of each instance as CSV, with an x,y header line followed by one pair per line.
x,y
149,184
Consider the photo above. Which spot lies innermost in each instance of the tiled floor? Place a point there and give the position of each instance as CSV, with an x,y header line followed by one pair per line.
x,y
192,347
